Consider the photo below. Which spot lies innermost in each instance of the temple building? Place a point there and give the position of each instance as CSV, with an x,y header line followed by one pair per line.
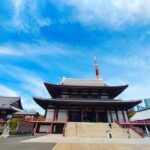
x,y
8,106
78,100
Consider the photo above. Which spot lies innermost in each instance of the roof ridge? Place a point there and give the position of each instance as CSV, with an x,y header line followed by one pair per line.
x,y
10,97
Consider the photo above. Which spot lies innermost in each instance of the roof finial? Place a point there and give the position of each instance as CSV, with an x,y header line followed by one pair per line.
x,y
96,69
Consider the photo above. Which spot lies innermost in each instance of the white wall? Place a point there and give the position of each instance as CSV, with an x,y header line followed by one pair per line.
x,y
49,114
114,116
62,114
44,128
120,116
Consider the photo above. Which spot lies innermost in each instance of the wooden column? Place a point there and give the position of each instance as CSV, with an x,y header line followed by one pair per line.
x,y
96,116
116,112
67,114
123,115
127,115
54,115
110,113
51,129
82,115
35,128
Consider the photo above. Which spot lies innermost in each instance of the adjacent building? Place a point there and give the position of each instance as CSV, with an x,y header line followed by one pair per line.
x,y
8,106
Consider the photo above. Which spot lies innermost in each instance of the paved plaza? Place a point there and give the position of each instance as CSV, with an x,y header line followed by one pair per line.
x,y
14,143
48,142
77,143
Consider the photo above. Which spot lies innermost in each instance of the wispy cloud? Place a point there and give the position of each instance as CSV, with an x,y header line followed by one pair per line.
x,y
30,84
114,13
26,13
138,59
6,91
34,49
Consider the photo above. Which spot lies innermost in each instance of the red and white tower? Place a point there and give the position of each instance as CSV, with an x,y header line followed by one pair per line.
x,y
96,69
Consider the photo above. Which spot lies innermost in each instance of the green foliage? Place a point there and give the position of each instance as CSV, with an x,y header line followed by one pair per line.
x,y
131,113
14,122
1,131
40,117
12,132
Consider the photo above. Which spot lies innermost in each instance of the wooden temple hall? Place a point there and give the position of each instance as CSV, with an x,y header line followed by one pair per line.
x,y
76,100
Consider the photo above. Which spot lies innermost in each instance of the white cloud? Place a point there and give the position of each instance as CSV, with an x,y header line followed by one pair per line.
x,y
138,60
26,14
29,104
30,84
9,51
6,91
41,48
114,13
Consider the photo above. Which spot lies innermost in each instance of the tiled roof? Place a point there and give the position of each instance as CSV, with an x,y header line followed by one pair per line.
x,y
8,100
81,82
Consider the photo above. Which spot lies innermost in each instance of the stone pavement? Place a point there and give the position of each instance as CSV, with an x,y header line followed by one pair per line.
x,y
14,143
63,146
88,143
59,139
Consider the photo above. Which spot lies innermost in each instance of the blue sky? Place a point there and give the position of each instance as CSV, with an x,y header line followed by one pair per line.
x,y
42,41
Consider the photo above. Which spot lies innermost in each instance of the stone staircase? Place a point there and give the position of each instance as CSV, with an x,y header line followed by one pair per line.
x,y
84,129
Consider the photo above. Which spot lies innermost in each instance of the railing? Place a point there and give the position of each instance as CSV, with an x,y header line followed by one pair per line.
x,y
139,122
2,119
46,120
137,130
64,128
129,124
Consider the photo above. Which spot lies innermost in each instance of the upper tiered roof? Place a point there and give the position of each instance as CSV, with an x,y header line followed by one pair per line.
x,y
82,82
84,89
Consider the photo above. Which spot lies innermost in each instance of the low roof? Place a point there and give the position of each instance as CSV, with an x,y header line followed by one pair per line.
x,y
82,82
8,100
110,104
25,113
11,103
141,115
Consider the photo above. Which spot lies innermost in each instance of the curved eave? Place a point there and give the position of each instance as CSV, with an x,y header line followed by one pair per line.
x,y
109,104
113,91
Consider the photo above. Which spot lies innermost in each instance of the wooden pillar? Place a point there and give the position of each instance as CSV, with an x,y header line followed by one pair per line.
x,y
116,112
35,128
82,115
67,114
96,116
54,115
123,115
110,113
127,115
51,129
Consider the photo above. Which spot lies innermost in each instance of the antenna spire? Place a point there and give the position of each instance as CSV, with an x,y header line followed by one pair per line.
x,y
96,69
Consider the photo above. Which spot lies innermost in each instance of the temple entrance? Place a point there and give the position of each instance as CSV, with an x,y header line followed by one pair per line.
x,y
75,116
89,116
102,116
58,128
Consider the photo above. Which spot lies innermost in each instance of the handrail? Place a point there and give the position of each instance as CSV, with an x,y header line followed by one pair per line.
x,y
133,122
130,125
46,120
137,131
64,128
